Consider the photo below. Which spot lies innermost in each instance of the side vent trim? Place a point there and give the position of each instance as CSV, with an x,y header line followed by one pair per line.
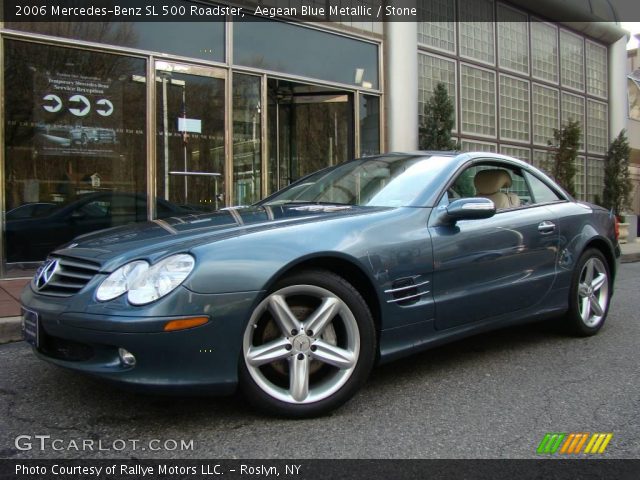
x,y
407,287
405,292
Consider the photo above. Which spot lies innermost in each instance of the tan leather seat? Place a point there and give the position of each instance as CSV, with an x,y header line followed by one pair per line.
x,y
488,184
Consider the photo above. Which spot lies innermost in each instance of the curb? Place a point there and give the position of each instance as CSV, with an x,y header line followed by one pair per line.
x,y
10,329
630,258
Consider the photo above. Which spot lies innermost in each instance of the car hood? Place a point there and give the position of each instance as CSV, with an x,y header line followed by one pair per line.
x,y
156,238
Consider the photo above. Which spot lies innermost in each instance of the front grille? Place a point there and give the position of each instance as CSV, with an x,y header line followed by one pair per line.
x,y
62,276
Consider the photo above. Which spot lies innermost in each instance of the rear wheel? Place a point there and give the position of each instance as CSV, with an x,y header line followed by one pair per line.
x,y
590,294
308,347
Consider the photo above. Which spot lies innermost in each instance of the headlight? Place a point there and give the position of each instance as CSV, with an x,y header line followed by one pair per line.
x,y
121,280
160,279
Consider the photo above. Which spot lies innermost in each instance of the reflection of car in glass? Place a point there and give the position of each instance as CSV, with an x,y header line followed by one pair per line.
x,y
53,134
65,135
91,135
31,239
295,298
31,210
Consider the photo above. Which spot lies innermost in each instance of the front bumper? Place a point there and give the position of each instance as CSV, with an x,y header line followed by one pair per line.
x,y
203,359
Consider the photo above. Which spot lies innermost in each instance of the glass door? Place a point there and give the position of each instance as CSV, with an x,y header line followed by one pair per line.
x,y
190,145
309,128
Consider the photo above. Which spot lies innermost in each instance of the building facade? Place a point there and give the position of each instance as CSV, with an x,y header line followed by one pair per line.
x,y
633,126
98,117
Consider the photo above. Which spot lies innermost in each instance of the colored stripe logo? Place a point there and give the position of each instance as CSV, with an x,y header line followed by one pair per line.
x,y
574,443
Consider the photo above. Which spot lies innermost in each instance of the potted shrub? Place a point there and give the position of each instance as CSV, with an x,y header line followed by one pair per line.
x,y
617,181
438,121
565,144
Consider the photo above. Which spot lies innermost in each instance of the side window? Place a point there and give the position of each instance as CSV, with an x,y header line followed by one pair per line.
x,y
541,192
463,186
504,185
123,206
95,209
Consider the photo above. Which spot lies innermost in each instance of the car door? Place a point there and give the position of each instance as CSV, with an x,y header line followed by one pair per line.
x,y
489,267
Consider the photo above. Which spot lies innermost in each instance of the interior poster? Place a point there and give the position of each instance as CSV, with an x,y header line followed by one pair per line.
x,y
77,115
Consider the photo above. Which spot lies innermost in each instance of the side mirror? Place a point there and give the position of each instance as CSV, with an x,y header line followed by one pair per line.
x,y
470,209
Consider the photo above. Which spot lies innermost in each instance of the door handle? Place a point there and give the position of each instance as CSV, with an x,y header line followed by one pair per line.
x,y
546,227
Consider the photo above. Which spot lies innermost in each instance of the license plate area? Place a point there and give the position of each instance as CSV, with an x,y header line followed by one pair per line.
x,y
31,327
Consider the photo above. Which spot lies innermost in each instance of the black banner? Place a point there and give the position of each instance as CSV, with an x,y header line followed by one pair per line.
x,y
318,469
77,115
308,10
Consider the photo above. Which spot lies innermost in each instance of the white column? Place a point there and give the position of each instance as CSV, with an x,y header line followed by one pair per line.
x,y
401,85
618,87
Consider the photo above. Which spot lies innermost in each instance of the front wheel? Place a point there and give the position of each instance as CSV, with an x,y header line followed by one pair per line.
x,y
590,294
308,347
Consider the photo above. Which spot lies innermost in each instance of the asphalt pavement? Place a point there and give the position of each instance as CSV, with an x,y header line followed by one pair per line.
x,y
490,396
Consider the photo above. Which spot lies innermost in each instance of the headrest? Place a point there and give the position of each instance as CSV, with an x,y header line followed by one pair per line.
x,y
488,182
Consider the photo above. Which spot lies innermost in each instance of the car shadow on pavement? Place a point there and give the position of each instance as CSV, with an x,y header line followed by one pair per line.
x,y
466,353
72,402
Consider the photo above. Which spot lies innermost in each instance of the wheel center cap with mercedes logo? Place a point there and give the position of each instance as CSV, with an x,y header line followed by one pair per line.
x,y
302,343
46,274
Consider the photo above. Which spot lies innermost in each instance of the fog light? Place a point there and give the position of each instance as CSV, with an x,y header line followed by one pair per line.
x,y
126,357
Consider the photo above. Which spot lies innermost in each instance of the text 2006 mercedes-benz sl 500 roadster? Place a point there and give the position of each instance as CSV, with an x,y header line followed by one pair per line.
x,y
296,298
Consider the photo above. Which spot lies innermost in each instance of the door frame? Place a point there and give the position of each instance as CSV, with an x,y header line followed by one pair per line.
x,y
187,68
353,96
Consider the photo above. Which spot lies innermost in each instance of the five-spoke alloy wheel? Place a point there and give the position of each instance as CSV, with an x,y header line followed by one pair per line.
x,y
590,294
308,346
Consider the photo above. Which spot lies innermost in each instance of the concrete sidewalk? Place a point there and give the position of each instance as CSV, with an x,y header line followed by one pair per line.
x,y
10,295
630,251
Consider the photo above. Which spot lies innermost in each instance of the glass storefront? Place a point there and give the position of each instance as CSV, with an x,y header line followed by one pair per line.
x,y
201,40
190,127
309,129
305,52
88,139
369,118
247,138
74,136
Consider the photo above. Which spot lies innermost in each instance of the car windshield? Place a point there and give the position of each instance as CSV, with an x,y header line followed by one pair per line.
x,y
391,181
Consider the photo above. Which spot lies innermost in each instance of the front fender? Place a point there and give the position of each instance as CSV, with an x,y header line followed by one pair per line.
x,y
250,262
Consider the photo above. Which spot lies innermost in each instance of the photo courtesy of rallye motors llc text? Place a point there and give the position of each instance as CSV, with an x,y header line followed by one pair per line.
x,y
141,471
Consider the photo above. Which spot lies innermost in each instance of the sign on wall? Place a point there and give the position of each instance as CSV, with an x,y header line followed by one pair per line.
x,y
77,114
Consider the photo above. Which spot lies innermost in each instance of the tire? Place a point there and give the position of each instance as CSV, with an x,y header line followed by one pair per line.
x,y
590,294
308,347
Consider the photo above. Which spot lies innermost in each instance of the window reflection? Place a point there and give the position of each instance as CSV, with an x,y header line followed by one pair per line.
x,y
309,128
633,89
386,181
204,40
283,47
246,139
190,148
74,127
369,125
